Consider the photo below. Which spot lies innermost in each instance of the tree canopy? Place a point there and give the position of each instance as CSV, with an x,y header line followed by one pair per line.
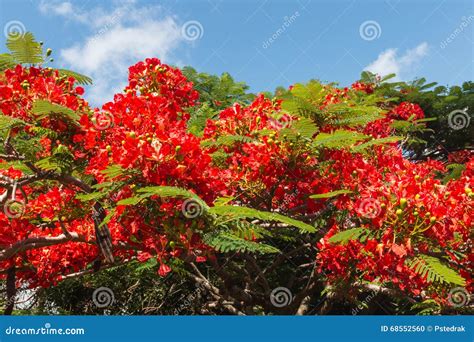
x,y
186,185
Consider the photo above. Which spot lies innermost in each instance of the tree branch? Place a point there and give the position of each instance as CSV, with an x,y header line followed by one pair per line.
x,y
39,242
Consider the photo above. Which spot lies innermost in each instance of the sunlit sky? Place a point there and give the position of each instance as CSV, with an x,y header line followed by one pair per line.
x,y
263,43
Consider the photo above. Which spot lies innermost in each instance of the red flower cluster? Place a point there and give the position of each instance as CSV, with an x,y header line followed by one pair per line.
x,y
364,87
250,154
407,111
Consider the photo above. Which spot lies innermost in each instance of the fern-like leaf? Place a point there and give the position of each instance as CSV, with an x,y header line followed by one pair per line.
x,y
48,164
7,61
162,191
7,122
243,212
226,242
227,140
303,127
374,142
25,49
330,194
43,108
349,234
113,171
338,139
434,270
80,78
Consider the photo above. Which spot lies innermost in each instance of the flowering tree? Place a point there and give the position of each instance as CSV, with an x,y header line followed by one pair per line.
x,y
264,206
448,133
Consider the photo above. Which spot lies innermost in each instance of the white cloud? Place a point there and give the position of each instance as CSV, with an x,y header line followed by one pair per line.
x,y
64,9
119,38
389,61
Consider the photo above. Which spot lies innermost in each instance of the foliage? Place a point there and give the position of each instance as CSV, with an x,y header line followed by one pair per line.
x,y
438,139
238,194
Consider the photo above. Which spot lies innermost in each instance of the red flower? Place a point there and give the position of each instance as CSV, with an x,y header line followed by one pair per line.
x,y
164,270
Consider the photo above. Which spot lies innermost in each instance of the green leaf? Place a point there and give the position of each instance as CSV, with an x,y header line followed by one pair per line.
x,y
131,200
91,196
349,234
149,264
25,49
303,127
456,171
43,108
198,118
374,142
223,200
113,171
243,212
226,242
303,100
226,140
48,164
338,139
435,270
356,120
7,61
80,78
7,122
108,217
388,77
330,194
169,191
162,191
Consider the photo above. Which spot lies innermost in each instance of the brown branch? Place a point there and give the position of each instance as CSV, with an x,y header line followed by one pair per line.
x,y
199,278
89,271
11,290
386,291
303,298
38,242
260,274
279,260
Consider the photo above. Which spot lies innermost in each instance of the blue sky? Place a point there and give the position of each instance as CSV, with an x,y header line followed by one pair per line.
x,y
264,43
